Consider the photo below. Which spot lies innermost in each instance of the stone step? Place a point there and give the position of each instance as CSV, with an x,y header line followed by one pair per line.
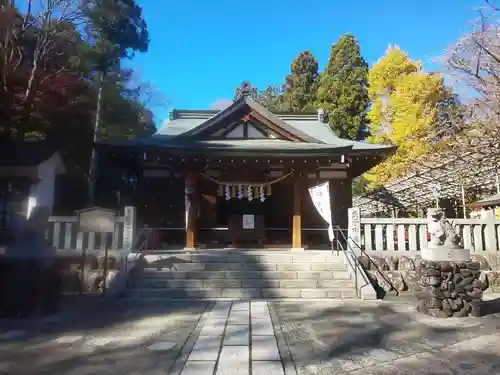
x,y
242,267
242,283
247,257
244,293
149,273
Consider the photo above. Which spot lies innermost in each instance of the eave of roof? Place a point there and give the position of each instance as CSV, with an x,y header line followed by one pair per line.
x,y
494,200
241,147
28,153
183,123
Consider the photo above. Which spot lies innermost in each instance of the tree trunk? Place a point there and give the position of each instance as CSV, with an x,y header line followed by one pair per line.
x,y
94,157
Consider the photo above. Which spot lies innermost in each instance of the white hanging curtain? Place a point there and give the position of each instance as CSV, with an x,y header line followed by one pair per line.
x,y
320,196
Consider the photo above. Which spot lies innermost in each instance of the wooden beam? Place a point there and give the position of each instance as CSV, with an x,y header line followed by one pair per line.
x,y
191,207
297,214
278,130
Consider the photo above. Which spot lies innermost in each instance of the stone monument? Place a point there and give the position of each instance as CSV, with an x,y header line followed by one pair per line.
x,y
30,242
445,241
30,262
450,283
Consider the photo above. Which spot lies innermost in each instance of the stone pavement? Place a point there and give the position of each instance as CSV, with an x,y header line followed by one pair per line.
x,y
116,337
158,337
235,339
386,338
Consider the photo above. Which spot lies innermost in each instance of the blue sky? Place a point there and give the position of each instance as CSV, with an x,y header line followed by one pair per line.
x,y
201,50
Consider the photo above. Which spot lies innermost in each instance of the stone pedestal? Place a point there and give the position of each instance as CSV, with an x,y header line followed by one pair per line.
x,y
450,289
445,255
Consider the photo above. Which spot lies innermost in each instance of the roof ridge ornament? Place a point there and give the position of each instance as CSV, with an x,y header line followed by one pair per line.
x,y
245,90
321,115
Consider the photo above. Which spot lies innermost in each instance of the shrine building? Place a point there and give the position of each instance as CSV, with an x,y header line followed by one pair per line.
x,y
239,177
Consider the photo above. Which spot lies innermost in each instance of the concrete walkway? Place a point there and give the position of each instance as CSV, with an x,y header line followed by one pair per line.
x,y
236,339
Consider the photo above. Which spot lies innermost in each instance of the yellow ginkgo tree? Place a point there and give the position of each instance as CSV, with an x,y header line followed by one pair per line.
x,y
403,112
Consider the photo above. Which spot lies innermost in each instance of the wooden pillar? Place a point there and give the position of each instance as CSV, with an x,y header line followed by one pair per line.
x,y
297,214
191,210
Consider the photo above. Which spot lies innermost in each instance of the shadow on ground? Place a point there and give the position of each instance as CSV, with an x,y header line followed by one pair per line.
x,y
218,273
362,338
94,335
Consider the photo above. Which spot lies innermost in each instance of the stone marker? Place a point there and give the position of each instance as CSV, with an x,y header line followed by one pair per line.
x,y
449,280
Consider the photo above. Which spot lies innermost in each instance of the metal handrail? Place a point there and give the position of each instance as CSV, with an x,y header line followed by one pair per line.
x,y
363,252
350,252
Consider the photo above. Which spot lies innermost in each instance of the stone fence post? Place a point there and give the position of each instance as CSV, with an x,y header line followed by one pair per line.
x,y
129,227
490,240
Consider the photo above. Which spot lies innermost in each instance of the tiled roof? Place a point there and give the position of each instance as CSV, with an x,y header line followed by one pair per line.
x,y
13,153
186,120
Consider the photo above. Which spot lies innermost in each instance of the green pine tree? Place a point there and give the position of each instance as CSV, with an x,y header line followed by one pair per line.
x,y
342,90
300,87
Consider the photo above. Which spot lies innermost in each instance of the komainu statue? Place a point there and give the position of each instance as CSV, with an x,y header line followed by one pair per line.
x,y
443,232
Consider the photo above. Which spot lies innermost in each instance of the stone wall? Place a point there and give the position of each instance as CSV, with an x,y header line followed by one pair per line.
x,y
86,274
400,274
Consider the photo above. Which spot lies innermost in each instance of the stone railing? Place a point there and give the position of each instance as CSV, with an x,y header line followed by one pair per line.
x,y
406,236
63,234
82,254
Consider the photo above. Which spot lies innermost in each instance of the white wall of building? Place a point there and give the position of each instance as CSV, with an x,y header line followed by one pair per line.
x,y
42,193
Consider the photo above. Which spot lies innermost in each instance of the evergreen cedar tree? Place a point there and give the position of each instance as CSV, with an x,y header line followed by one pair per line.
x,y
342,89
395,102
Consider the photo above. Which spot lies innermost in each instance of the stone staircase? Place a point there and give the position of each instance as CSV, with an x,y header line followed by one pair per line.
x,y
251,274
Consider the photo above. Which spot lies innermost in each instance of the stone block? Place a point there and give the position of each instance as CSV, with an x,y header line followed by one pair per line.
x,y
242,274
240,306
258,305
303,284
262,327
207,258
493,278
200,274
276,258
279,274
183,284
267,368
260,283
341,275
202,293
327,266
189,267
237,335
264,267
285,293
334,294
223,266
316,275
253,266
206,347
222,283
335,283
241,293
260,313
294,266
234,360
345,294
239,317
242,258
313,293
309,258
265,348
154,273
445,255
199,368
